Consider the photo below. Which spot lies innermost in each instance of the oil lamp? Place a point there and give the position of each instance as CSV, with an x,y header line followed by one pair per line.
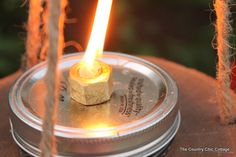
x,y
139,119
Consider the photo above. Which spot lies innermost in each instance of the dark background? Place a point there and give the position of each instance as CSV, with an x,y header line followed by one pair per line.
x,y
177,30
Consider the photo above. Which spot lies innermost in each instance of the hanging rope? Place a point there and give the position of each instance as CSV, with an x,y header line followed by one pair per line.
x,y
43,53
223,29
55,47
33,43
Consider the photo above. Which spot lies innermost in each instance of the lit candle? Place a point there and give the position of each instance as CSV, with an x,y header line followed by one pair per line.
x,y
90,80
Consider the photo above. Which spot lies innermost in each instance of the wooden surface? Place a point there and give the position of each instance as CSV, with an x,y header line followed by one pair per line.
x,y
200,134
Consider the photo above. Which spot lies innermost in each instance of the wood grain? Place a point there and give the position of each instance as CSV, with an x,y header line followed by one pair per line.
x,y
199,128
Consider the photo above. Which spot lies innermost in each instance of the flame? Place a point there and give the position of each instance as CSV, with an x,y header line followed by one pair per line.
x,y
97,37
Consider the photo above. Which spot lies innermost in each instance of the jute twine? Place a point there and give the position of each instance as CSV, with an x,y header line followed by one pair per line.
x,y
42,56
223,30
33,42
37,36
55,48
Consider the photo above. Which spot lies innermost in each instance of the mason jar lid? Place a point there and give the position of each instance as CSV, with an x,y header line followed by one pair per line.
x,y
141,118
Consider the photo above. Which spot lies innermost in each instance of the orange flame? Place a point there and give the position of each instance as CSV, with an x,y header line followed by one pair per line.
x,y
97,37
